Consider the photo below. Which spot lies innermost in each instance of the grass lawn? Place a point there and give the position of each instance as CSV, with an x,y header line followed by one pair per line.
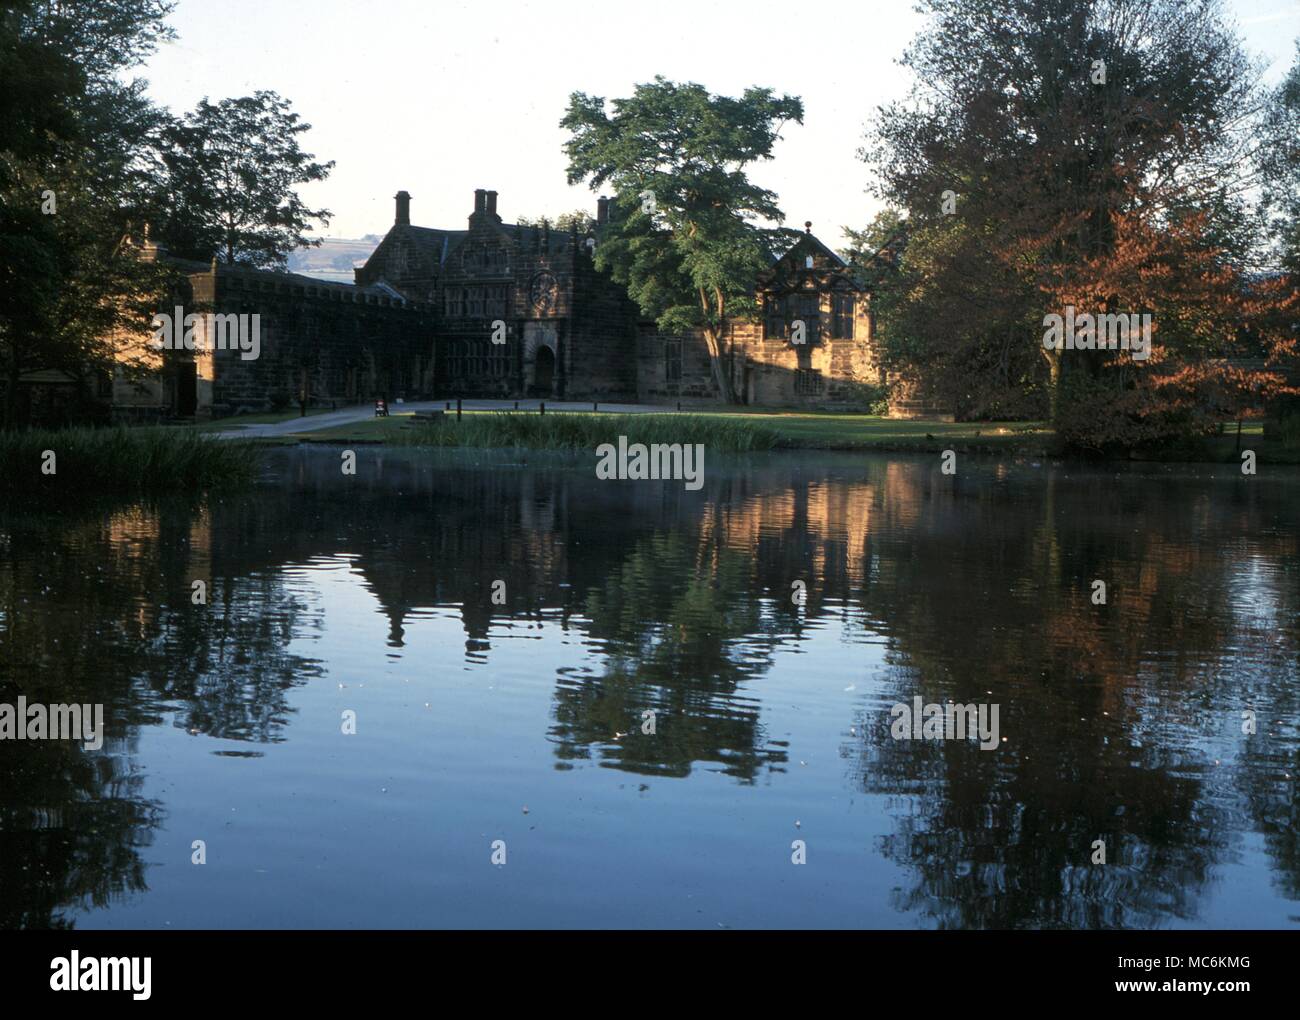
x,y
774,430
792,430
866,432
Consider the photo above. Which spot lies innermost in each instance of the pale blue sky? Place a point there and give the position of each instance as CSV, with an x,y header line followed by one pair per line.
x,y
441,98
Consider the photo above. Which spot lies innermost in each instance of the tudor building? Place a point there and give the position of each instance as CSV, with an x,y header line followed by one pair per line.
x,y
504,310
570,332
328,343
812,346
521,310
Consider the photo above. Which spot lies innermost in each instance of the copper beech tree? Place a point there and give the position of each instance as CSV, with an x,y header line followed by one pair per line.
x,y
1094,157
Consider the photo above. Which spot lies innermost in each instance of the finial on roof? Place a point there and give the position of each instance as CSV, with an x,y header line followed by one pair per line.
x,y
807,226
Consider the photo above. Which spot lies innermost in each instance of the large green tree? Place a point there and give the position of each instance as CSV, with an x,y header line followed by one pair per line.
x,y
686,233
76,168
233,169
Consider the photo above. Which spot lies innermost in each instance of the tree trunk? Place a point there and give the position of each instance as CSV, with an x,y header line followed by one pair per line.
x,y
1054,381
721,376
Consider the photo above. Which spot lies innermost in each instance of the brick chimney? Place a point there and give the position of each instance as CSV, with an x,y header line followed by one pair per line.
x,y
403,218
602,211
492,205
480,199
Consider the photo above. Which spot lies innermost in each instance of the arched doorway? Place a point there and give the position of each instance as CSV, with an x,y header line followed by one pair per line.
x,y
544,371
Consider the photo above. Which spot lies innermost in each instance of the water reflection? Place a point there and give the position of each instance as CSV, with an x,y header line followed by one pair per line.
x,y
1123,721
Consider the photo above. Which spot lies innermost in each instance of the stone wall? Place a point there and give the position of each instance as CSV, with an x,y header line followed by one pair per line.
x,y
349,344
673,368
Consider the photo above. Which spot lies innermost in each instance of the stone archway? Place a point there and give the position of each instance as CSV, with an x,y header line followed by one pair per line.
x,y
544,372
541,357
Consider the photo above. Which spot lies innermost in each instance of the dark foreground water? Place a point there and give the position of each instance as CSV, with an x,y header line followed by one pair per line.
x,y
524,722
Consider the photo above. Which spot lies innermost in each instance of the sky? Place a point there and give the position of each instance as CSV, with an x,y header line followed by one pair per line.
x,y
439,98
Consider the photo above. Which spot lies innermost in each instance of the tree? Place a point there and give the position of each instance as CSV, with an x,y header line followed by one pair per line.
x,y
232,168
1041,139
1280,167
75,161
684,234
579,220
863,244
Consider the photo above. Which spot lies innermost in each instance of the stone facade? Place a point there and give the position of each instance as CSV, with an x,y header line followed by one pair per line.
x,y
521,310
331,344
811,347
569,332
503,310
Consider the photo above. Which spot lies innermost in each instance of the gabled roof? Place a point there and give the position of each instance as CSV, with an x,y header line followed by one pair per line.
x,y
808,242
792,261
436,244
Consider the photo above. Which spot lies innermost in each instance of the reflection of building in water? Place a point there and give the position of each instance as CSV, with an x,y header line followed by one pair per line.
x,y
980,591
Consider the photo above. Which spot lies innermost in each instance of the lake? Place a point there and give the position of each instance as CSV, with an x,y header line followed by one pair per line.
x,y
487,689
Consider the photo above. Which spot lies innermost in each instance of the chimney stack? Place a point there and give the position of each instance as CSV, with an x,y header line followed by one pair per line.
x,y
602,211
492,203
480,199
403,209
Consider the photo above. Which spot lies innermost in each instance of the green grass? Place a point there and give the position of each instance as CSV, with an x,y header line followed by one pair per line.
x,y
89,462
870,432
764,430
729,431
555,431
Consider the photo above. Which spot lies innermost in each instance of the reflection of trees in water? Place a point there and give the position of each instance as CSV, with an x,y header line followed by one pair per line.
x,y
669,618
1003,839
979,584
225,666
1267,761
97,610
1110,711
72,823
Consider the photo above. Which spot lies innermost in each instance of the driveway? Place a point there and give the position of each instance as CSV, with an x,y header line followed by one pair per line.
x,y
363,412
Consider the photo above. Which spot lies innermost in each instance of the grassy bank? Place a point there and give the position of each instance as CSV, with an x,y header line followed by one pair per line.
x,y
759,430
557,431
733,432
90,462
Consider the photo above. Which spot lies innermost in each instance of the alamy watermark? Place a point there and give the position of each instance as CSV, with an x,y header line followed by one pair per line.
x,y
220,333
1105,332
919,721
75,973
677,461
53,722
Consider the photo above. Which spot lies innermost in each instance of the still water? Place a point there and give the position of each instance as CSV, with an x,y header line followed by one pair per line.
x,y
525,722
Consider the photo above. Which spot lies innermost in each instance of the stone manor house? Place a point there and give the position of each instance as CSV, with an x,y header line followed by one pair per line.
x,y
421,318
